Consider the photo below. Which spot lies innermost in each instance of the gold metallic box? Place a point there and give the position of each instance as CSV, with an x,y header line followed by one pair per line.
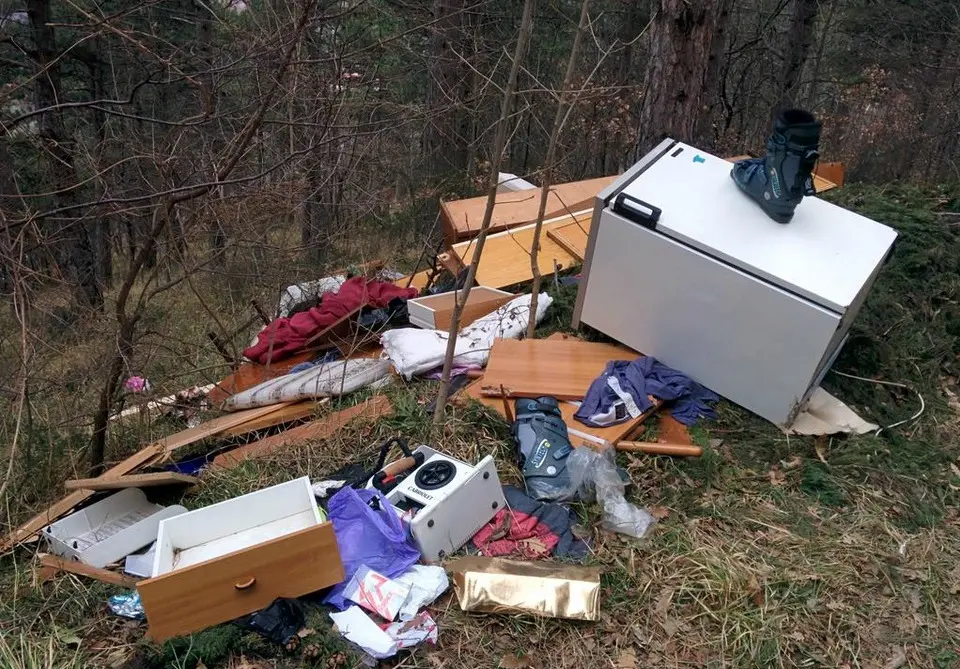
x,y
554,590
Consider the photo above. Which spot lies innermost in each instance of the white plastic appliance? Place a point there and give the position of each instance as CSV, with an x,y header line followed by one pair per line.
x,y
684,267
446,501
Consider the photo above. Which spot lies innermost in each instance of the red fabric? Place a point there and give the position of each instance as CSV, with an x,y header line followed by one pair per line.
x,y
517,534
286,336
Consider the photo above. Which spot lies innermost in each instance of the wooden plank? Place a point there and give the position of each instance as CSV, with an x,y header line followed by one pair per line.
x,y
74,499
832,172
51,565
672,431
572,238
461,219
560,368
217,426
321,428
288,414
150,480
205,594
821,184
506,255
660,448
419,281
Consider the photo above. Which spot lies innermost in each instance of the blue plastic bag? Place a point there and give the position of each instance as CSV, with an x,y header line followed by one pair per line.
x,y
127,605
376,538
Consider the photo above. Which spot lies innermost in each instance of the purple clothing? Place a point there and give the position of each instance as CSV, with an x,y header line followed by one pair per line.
x,y
624,382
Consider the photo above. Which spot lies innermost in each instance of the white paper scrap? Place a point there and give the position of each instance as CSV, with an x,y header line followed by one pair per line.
x,y
408,634
426,584
377,593
356,626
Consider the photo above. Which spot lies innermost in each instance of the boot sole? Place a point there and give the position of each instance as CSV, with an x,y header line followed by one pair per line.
x,y
780,218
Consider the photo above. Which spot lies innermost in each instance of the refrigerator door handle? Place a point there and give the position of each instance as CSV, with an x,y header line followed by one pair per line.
x,y
637,211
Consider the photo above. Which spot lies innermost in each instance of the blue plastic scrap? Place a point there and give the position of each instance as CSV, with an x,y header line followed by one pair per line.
x,y
127,605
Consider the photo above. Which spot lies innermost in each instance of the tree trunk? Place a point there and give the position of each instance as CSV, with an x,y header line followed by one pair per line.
x,y
101,230
798,40
74,251
706,132
680,43
445,138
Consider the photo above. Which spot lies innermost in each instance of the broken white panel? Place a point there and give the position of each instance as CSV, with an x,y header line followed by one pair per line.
x,y
329,379
109,530
825,414
141,564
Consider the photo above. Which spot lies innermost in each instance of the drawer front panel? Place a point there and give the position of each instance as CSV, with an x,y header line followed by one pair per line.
x,y
206,594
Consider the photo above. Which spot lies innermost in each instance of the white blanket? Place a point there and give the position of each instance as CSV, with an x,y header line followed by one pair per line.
x,y
413,351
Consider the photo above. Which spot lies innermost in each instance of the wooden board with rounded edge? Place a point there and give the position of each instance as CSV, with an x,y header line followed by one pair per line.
x,y
506,255
563,369
212,592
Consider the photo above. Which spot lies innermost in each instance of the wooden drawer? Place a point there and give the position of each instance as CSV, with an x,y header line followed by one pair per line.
x,y
434,312
196,597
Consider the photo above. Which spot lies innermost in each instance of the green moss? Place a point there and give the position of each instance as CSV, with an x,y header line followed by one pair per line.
x,y
817,482
209,646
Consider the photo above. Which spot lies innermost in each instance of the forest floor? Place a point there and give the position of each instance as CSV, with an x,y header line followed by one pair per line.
x,y
770,552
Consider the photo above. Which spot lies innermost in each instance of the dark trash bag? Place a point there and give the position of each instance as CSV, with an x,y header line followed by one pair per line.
x,y
279,622
375,537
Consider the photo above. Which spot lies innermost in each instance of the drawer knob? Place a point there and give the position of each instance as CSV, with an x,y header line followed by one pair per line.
x,y
245,585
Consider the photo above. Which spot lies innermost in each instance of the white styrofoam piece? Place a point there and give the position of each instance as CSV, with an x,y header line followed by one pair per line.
x,y
748,340
238,523
110,529
826,253
825,414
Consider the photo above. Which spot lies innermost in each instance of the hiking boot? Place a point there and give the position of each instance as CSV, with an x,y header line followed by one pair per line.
x,y
542,446
778,181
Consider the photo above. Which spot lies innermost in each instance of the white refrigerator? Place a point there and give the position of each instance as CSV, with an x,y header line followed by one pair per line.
x,y
684,267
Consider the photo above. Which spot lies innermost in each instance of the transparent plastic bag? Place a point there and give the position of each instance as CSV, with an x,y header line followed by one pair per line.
x,y
594,475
